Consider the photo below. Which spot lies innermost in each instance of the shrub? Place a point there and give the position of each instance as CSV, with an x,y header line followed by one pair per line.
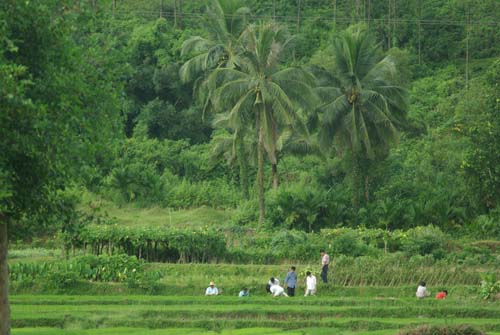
x,y
424,241
215,193
297,207
490,286
346,241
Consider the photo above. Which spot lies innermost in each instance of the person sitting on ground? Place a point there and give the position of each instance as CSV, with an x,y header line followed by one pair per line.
x,y
244,292
211,289
442,295
422,291
277,290
271,282
310,284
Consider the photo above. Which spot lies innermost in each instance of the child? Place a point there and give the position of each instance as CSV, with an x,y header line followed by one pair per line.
x,y
310,284
422,291
442,295
244,293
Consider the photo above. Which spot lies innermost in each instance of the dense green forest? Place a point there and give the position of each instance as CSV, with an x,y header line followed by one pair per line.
x,y
120,98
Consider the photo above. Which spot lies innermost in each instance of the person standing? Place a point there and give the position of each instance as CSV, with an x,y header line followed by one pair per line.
x,y
310,284
325,261
291,281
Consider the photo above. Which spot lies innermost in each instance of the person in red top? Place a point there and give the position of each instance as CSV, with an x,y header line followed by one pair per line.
x,y
441,295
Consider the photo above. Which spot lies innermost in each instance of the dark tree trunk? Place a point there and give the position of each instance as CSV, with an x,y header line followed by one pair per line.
x,y
298,15
356,182
367,189
4,280
242,160
275,176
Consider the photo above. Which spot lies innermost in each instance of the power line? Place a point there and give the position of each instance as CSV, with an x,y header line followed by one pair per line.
x,y
289,18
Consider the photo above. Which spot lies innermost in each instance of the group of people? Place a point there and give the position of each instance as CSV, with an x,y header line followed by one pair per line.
x,y
276,290
422,292
273,286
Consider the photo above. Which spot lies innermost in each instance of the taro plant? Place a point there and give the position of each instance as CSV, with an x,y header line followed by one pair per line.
x,y
490,286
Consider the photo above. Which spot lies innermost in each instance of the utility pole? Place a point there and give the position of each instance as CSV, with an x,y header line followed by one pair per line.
x,y
394,22
175,13
161,8
334,14
467,50
298,15
389,26
114,7
419,31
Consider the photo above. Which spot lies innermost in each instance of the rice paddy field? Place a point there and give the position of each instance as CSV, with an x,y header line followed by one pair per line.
x,y
343,310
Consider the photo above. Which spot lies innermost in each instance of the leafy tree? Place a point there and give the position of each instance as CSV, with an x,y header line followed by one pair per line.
x,y
259,91
363,103
482,163
51,106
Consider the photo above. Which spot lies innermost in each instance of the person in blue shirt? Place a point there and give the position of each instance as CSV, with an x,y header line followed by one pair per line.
x,y
244,292
291,281
211,289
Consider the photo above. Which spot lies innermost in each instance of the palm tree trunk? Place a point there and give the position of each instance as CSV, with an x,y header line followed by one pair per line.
x,y
367,189
260,167
275,175
243,169
274,164
356,181
4,280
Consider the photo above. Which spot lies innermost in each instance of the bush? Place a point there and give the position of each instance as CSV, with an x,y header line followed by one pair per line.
x,y
486,226
215,193
346,241
424,241
297,207
490,286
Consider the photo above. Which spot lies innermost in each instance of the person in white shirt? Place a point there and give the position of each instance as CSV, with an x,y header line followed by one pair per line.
x,y
422,291
211,289
310,284
277,291
271,282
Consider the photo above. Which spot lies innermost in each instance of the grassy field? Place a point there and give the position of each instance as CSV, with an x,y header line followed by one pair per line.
x,y
156,216
376,312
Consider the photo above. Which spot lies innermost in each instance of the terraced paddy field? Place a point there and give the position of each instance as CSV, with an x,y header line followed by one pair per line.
x,y
374,313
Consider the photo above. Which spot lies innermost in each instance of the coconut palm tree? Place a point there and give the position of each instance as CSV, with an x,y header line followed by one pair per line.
x,y
364,102
259,92
224,21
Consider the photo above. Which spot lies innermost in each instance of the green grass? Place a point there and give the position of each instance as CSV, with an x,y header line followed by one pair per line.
x,y
260,315
158,217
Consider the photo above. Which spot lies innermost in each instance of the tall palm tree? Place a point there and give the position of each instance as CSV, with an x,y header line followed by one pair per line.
x,y
364,102
258,91
224,21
